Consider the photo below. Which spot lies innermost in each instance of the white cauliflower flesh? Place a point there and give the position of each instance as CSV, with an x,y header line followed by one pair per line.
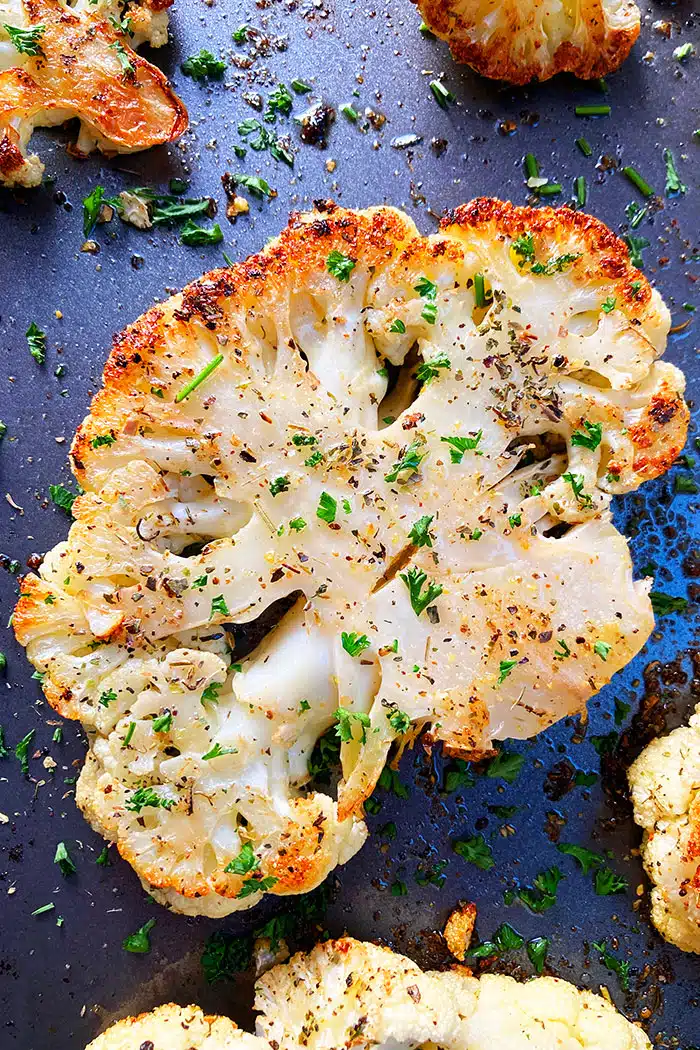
x,y
59,61
523,40
432,544
172,1027
347,993
665,785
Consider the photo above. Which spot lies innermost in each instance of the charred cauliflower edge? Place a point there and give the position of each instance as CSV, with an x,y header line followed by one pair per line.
x,y
523,40
665,786
429,544
80,61
348,993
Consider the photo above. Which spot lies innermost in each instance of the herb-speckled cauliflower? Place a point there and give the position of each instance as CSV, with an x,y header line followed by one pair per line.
x,y
59,61
172,1027
523,40
665,784
347,993
404,450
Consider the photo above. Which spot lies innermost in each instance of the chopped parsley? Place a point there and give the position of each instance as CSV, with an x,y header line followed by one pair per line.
x,y
103,859
26,41
297,524
390,781
245,862
163,723
606,882
420,532
458,775
353,643
314,459
587,859
327,507
107,697
431,368
280,101
200,582
537,950
475,850
62,497
427,290
414,580
636,246
139,943
577,482
339,265
36,341
22,750
210,695
399,721
409,461
543,893
280,484
254,885
504,669
505,766
195,236
123,58
257,185
347,720
224,956
663,604
203,66
591,435
217,751
460,445
609,305
101,440
602,649
303,439
617,966
146,796
514,520
397,325
219,607
4,751
64,860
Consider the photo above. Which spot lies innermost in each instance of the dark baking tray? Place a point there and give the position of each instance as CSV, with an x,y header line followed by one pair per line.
x,y
61,985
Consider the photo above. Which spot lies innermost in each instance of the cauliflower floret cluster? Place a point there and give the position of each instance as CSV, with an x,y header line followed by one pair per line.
x,y
172,1027
524,40
349,993
665,785
59,61
392,458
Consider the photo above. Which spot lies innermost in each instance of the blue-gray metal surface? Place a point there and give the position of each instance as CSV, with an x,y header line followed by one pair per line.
x,y
61,984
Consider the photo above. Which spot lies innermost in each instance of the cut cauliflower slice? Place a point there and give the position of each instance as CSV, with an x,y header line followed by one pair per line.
x,y
79,61
403,449
523,40
665,785
347,993
172,1027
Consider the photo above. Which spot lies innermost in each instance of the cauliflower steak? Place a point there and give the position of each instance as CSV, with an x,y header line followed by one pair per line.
x,y
399,453
59,61
349,993
665,785
524,40
172,1027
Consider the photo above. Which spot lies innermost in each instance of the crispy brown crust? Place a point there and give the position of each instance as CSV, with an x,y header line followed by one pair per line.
x,y
76,72
607,50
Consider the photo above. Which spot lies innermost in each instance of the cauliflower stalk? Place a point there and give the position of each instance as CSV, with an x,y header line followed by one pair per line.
x,y
349,993
361,479
665,785
59,61
523,40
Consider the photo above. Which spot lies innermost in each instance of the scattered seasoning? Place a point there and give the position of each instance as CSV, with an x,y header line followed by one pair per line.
x,y
585,147
26,41
199,378
442,95
139,943
593,111
316,123
36,340
204,66
476,851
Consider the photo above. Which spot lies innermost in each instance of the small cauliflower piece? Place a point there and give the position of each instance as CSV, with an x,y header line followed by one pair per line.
x,y
459,929
665,786
172,1027
524,40
423,550
347,993
79,61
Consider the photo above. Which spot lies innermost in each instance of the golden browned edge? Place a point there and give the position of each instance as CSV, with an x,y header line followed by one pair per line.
x,y
606,53
20,90
300,251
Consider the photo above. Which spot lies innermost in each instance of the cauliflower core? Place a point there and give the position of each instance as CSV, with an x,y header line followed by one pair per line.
x,y
665,784
347,993
79,61
523,40
172,1027
401,448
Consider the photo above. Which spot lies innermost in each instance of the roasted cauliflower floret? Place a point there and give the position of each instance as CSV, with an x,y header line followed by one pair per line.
x,y
665,784
403,449
523,40
349,993
59,61
172,1027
